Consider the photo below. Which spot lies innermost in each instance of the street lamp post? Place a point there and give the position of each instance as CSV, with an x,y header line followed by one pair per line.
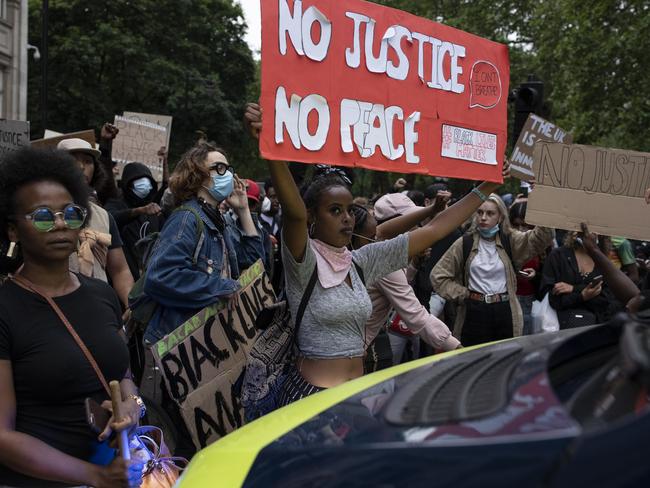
x,y
44,57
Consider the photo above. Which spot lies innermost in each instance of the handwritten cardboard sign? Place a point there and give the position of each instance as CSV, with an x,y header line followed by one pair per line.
x,y
203,358
14,134
535,129
86,135
358,84
600,186
161,120
139,141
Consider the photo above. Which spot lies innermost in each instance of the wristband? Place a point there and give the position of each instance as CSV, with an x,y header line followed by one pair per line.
x,y
479,194
140,403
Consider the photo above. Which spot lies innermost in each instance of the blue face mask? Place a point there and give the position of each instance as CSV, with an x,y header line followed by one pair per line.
x,y
142,187
489,233
222,186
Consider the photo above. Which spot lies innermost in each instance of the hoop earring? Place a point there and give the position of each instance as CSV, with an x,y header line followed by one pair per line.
x,y
311,230
12,252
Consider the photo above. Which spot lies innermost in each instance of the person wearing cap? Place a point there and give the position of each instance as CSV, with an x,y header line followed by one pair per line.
x,y
137,212
392,296
254,204
484,282
100,252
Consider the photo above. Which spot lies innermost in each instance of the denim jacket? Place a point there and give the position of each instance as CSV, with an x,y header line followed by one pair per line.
x,y
238,234
181,288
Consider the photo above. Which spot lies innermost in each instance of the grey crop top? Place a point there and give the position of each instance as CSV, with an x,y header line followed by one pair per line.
x,y
334,322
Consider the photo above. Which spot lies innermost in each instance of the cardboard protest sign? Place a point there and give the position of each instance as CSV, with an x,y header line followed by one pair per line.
x,y
357,84
139,141
161,120
14,134
86,135
535,129
602,187
204,357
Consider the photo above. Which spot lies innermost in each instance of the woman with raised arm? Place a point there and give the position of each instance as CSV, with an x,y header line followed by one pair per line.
x,y
396,214
317,229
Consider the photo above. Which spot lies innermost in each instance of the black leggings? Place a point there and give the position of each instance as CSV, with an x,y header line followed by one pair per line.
x,y
486,322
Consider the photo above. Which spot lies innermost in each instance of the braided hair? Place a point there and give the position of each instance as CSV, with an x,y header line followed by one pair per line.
x,y
325,177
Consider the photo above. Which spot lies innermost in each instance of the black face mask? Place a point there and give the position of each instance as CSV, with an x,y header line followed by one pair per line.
x,y
213,214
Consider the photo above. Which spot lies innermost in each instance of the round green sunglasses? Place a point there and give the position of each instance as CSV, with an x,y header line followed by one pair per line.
x,y
44,218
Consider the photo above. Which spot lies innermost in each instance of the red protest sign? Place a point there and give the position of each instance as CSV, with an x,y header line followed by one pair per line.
x,y
357,84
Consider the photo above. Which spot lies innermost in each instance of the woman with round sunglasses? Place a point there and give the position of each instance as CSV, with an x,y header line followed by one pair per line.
x,y
195,263
317,228
181,284
45,377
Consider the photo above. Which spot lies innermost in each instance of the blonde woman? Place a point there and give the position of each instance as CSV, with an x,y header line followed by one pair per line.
x,y
479,273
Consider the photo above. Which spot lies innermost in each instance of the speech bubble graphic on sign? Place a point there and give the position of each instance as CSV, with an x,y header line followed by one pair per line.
x,y
485,83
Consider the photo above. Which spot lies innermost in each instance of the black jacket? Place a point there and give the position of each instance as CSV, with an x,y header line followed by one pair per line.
x,y
561,266
134,227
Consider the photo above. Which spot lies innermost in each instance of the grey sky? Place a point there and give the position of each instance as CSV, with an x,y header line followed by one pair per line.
x,y
252,14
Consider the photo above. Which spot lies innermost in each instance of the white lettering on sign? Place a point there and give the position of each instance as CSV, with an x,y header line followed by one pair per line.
x,y
299,28
294,117
369,126
391,41
469,145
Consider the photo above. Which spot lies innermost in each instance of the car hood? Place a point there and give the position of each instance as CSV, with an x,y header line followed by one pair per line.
x,y
494,398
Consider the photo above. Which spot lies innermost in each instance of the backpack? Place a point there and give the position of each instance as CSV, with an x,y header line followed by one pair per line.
x,y
143,307
274,353
468,242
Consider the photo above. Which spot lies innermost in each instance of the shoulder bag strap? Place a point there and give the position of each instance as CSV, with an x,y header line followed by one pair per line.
x,y
507,245
200,237
29,286
359,272
303,302
468,242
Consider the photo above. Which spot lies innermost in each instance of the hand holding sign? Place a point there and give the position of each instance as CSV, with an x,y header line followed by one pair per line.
x,y
253,119
108,132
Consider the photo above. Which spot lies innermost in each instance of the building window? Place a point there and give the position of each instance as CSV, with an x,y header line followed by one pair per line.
x,y
3,9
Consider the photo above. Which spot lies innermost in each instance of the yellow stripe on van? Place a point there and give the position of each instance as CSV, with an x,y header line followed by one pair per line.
x,y
227,462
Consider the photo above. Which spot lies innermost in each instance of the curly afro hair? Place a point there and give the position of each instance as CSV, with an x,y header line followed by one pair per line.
x,y
29,165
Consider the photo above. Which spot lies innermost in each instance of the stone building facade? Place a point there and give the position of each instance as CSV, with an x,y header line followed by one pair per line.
x,y
13,59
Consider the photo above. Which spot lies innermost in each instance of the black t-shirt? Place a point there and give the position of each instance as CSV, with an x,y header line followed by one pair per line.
x,y
51,375
116,239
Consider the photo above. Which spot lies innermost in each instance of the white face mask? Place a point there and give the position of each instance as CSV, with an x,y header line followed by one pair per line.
x,y
266,205
142,187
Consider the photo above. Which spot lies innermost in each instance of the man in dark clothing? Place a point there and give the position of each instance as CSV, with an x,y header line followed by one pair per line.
x,y
422,284
271,222
136,212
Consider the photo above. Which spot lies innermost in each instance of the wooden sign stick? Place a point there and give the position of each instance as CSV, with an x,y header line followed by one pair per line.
x,y
123,436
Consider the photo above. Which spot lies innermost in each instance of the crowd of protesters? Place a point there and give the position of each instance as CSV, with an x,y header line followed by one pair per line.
x,y
394,276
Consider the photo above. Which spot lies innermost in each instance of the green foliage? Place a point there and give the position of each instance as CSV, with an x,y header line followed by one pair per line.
x,y
184,58
187,58
590,55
